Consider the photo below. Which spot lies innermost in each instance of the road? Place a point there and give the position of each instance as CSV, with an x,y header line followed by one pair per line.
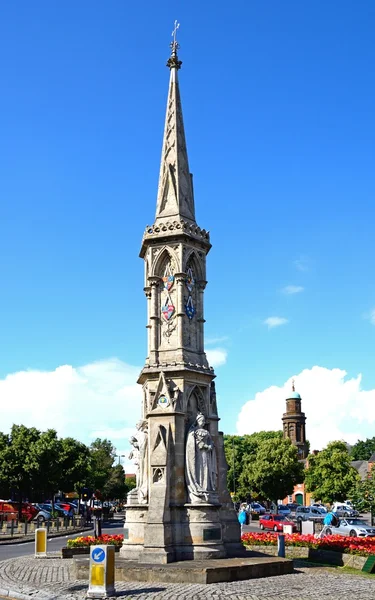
x,y
54,544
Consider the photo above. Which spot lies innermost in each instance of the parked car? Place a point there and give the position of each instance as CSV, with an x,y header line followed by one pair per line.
x,y
320,507
9,510
283,510
67,506
42,516
353,528
275,522
344,510
292,506
257,508
48,507
305,513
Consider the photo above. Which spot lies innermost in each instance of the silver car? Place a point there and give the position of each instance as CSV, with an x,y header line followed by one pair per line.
x,y
352,527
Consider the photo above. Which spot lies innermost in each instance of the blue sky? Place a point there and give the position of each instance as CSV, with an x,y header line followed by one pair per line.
x,y
278,104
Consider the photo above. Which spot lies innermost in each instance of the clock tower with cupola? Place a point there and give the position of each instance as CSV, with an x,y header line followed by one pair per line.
x,y
294,423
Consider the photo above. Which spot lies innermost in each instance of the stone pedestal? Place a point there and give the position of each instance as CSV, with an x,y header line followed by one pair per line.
x,y
134,531
198,532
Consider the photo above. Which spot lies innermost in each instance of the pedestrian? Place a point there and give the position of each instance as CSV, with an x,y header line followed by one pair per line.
x,y
242,517
330,520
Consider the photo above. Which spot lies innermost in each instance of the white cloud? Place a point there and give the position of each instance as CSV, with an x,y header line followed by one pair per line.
x,y
275,322
101,399
336,408
292,289
372,317
216,356
302,263
216,340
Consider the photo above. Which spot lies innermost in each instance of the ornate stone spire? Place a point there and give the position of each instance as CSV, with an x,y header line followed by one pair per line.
x,y
175,191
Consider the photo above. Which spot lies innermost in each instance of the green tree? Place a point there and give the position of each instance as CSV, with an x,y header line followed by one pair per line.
x,y
46,468
74,464
329,475
238,451
17,459
363,449
363,496
273,470
101,457
115,487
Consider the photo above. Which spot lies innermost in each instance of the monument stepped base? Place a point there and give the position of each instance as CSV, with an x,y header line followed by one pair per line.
x,y
193,571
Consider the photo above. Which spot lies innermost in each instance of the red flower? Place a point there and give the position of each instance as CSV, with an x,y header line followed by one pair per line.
x,y
338,543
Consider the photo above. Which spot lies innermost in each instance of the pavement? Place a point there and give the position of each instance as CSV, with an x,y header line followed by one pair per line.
x,y
49,579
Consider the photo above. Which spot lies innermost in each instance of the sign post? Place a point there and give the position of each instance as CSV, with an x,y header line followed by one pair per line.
x,y
281,545
40,542
102,571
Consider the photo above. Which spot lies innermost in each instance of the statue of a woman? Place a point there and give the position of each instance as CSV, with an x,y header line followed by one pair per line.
x,y
139,456
201,465
142,427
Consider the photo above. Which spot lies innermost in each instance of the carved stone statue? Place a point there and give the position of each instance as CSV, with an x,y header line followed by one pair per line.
x,y
142,427
134,456
201,464
139,456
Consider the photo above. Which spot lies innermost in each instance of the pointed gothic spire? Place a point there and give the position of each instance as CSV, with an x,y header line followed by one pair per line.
x,y
175,191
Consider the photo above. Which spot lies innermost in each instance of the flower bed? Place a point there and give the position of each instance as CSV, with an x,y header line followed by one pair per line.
x,y
89,540
336,543
81,545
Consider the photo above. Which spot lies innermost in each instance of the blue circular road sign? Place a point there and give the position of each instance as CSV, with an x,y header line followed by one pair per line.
x,y
98,555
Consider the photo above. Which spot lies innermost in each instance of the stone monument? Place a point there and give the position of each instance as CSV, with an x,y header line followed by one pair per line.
x,y
181,508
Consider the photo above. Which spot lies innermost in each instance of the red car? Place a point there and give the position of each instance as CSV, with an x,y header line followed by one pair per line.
x,y
9,511
275,522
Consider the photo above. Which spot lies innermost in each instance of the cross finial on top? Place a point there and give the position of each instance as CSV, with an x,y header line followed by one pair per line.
x,y
293,388
173,61
176,26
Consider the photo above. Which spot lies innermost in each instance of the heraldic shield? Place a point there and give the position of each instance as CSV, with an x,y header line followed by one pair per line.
x,y
168,281
190,308
190,281
167,309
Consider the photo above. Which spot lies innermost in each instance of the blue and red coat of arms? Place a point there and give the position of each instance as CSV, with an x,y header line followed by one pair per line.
x,y
168,281
167,309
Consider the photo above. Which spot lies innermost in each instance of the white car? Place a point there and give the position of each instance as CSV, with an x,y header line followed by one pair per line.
x,y
320,507
352,528
257,508
344,510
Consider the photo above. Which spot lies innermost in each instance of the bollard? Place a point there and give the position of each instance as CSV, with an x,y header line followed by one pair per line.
x,y
40,542
102,571
281,545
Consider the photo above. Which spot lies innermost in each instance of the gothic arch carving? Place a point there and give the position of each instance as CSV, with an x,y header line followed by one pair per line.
x,y
165,255
192,260
196,403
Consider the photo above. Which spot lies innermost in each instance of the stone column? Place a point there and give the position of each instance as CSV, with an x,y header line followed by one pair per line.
x,y
180,280
154,317
201,285
147,291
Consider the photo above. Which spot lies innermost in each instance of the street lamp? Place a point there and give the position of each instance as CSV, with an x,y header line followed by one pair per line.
x,y
120,456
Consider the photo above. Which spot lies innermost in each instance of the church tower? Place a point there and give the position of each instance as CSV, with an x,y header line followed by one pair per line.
x,y
294,423
180,508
